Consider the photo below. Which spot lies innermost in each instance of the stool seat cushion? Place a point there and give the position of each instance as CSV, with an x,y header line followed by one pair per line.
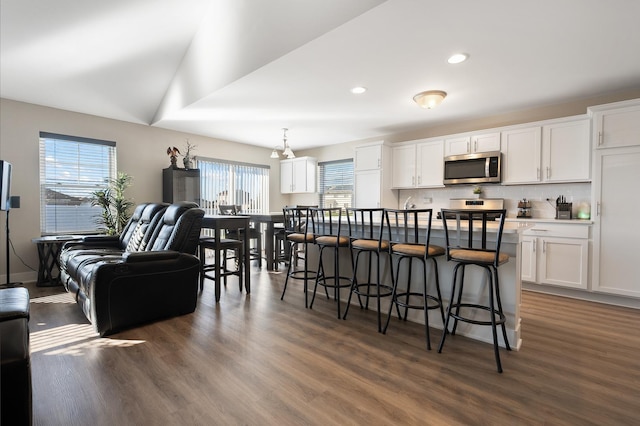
x,y
331,240
370,245
301,238
417,250
477,256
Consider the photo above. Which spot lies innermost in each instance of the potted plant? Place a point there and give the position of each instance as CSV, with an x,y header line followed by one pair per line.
x,y
188,160
115,207
477,191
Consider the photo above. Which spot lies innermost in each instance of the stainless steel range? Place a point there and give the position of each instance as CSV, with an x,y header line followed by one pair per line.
x,y
475,203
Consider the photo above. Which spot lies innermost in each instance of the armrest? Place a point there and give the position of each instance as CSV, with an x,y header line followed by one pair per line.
x,y
149,256
100,238
94,241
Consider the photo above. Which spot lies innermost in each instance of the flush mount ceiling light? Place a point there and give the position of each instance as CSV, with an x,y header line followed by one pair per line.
x,y
430,98
457,58
358,90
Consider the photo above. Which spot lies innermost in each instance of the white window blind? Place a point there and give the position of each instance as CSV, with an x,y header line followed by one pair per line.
x,y
336,183
71,168
228,182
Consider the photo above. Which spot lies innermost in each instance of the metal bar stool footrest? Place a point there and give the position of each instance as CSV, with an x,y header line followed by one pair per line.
x,y
501,319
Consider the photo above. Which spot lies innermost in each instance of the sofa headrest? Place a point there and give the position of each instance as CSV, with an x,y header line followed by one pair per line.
x,y
150,211
174,211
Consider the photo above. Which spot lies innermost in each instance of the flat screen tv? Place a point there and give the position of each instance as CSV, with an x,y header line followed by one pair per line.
x,y
5,185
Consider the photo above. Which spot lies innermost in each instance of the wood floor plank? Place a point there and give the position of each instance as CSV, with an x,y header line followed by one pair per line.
x,y
257,360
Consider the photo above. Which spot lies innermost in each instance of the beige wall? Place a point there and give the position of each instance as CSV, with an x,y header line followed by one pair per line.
x,y
141,153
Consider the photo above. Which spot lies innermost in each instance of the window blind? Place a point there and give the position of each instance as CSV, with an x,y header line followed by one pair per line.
x,y
336,183
227,182
71,168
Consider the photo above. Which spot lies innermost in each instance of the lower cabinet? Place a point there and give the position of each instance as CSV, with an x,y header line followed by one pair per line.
x,y
556,254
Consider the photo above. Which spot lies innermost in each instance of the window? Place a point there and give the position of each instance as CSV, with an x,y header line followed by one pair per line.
x,y
336,183
228,182
71,168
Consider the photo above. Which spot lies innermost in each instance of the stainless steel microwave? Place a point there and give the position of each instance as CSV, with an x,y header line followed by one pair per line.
x,y
483,167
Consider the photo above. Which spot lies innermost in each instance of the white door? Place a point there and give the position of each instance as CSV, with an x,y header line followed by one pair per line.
x,y
404,167
521,150
563,262
528,259
367,189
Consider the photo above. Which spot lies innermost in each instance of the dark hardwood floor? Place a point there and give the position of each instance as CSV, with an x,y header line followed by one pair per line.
x,y
256,360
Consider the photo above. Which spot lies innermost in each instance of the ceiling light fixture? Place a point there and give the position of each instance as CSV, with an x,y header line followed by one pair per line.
x,y
430,98
287,150
358,90
274,153
457,58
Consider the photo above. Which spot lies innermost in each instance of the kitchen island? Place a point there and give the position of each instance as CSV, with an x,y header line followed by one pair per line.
x,y
475,290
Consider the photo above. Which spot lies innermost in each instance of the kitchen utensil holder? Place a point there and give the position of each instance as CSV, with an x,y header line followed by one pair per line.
x,y
564,211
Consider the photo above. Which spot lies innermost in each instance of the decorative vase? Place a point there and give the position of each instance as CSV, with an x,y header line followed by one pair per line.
x,y
187,162
174,164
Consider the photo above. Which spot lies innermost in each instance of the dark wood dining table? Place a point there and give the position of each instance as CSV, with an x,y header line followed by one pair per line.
x,y
220,223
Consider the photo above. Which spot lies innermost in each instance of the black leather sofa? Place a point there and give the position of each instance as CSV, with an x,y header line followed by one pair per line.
x,y
147,273
15,373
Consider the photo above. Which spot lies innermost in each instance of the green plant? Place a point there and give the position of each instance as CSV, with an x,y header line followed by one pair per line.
x,y
115,207
477,190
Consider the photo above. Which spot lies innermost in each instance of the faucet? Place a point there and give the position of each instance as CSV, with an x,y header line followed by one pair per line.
x,y
407,205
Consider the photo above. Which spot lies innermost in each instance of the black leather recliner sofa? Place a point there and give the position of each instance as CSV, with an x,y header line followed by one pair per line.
x,y
147,273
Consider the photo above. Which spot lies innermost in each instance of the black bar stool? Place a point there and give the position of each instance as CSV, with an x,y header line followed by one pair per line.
x,y
409,232
468,244
298,237
255,234
220,260
327,227
366,227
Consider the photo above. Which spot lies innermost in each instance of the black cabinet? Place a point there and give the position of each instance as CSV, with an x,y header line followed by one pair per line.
x,y
180,185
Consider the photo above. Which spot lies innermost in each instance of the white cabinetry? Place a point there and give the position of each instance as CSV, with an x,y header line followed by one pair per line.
x,y
472,143
521,155
566,151
616,125
615,200
556,152
418,165
556,254
372,177
298,175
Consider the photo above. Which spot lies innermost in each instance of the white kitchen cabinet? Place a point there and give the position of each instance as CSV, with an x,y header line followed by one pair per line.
x,y
298,175
566,151
616,125
368,157
521,150
471,144
556,254
418,165
615,207
404,166
372,177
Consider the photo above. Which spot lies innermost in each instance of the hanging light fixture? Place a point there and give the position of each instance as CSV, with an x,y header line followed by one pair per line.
x,y
287,150
274,153
430,98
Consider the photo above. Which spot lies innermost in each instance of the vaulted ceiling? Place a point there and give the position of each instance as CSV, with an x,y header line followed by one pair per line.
x,y
241,70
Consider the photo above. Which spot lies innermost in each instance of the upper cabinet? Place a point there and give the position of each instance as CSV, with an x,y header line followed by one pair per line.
x,y
298,175
372,176
555,152
566,152
616,125
418,165
485,142
368,157
521,155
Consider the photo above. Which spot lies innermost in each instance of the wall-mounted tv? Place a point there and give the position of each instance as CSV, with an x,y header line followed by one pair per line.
x,y
5,185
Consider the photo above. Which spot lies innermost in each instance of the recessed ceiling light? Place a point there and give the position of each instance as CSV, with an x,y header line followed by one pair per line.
x,y
457,58
358,90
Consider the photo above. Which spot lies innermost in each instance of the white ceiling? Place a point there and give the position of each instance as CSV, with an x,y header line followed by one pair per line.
x,y
241,70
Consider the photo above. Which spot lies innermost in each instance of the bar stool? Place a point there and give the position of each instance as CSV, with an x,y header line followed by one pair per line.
x,y
327,227
237,234
298,238
366,227
220,260
409,232
486,254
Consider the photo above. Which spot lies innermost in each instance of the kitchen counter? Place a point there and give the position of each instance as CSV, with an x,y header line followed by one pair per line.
x,y
550,220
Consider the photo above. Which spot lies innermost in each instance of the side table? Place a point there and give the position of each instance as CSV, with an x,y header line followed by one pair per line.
x,y
49,258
